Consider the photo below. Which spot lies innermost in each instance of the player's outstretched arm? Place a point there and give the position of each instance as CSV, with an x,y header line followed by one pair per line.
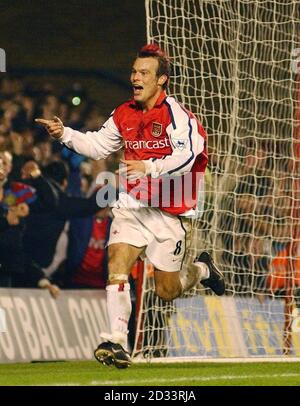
x,y
54,127
93,144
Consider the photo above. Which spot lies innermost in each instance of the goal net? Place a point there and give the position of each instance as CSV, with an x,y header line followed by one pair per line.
x,y
235,66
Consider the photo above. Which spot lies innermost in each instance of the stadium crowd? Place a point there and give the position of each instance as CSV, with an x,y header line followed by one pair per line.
x,y
52,232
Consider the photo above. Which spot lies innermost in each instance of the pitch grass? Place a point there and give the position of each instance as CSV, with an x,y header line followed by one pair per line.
x,y
189,374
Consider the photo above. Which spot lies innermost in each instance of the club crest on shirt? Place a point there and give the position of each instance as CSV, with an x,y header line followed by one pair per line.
x,y
156,129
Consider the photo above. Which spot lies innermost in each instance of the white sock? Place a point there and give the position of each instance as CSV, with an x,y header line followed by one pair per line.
x,y
119,309
190,275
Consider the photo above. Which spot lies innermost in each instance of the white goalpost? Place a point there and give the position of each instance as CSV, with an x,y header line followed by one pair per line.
x,y
235,66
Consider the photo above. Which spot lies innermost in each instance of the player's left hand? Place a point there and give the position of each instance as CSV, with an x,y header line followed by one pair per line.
x,y
133,170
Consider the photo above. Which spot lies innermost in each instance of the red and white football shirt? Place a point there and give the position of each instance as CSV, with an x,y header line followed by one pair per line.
x,y
168,139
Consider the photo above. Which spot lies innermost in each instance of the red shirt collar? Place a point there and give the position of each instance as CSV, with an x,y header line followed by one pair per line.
x,y
158,102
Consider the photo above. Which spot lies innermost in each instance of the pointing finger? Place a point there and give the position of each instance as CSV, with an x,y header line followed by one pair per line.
x,y
42,121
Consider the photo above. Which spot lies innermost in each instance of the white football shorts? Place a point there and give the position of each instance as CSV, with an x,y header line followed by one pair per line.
x,y
164,236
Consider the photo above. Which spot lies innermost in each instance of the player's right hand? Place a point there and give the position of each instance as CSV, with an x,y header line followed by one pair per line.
x,y
54,127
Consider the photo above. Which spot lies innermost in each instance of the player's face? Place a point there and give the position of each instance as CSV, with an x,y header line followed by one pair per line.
x,y
145,82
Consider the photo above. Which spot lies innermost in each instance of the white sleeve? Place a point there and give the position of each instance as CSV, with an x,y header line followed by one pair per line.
x,y
94,144
186,143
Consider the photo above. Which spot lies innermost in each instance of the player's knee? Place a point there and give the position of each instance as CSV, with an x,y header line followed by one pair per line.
x,y
118,261
113,265
116,264
117,270
166,293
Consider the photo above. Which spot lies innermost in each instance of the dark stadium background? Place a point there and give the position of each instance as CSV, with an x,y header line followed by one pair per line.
x,y
92,42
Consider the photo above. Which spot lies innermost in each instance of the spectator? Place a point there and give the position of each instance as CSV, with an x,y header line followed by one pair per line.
x,y
255,222
17,269
87,256
46,236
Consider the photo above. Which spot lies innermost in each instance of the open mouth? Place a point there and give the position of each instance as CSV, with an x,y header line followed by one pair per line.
x,y
137,89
